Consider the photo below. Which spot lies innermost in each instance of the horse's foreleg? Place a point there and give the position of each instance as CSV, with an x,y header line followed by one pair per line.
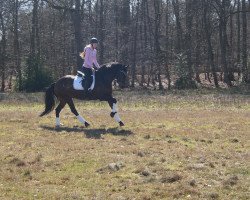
x,y
58,110
114,114
73,110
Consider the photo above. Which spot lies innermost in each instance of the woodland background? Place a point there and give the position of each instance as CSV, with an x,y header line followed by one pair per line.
x,y
167,43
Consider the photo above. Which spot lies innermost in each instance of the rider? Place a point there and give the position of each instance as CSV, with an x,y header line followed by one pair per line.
x,y
89,55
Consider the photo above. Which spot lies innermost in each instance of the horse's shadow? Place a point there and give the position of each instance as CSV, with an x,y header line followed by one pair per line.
x,y
91,133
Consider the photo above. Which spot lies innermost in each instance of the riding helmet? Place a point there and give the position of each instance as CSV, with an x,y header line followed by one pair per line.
x,y
93,40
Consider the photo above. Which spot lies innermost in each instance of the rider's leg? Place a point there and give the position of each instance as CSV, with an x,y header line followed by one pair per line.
x,y
88,77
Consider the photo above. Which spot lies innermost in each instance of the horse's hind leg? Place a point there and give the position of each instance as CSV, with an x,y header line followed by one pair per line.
x,y
58,110
73,110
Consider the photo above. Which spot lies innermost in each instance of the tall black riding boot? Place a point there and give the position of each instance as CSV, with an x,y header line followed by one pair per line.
x,y
88,73
87,86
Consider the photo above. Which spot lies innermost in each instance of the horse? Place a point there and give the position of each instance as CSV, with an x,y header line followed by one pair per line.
x,y
65,93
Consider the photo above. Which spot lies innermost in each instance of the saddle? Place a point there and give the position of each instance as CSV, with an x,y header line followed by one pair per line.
x,y
79,81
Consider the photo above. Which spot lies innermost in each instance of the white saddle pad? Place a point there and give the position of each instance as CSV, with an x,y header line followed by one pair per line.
x,y
77,84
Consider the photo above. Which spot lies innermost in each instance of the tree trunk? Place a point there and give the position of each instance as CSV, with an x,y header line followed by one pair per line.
x,y
230,52
141,43
16,45
238,36
144,38
189,24
142,75
224,44
33,54
224,53
125,22
207,29
34,30
157,4
197,55
175,4
133,67
244,43
116,29
76,19
101,32
167,45
3,52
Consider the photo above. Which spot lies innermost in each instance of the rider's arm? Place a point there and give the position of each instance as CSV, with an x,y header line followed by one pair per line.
x,y
95,61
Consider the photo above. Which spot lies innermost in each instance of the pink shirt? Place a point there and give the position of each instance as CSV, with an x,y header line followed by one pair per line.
x,y
90,57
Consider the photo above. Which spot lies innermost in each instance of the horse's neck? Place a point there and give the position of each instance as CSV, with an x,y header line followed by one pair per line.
x,y
108,75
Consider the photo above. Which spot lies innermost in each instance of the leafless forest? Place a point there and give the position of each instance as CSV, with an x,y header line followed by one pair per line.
x,y
167,43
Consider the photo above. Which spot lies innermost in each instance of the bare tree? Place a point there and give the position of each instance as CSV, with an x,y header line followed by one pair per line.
x,y
188,36
176,7
2,48
17,53
135,35
101,31
150,36
125,30
167,44
244,42
223,13
238,32
208,33
75,11
158,51
34,38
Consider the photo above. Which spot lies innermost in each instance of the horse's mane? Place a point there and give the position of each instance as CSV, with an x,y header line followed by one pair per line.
x,y
106,66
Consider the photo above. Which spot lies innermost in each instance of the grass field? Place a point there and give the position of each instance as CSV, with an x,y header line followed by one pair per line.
x,y
178,145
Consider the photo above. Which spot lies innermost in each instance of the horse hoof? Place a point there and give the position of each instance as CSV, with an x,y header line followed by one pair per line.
x,y
86,124
121,123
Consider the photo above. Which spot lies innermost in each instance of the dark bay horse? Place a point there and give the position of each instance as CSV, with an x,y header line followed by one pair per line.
x,y
64,91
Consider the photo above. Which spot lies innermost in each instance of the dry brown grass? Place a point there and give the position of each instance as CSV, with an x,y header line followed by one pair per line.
x,y
174,146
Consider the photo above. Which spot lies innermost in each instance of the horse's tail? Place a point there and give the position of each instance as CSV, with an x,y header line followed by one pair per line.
x,y
49,100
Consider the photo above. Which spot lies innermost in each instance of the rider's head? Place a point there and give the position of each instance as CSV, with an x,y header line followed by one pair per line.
x,y
94,42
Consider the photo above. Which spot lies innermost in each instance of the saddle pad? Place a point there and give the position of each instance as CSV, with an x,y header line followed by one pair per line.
x,y
77,84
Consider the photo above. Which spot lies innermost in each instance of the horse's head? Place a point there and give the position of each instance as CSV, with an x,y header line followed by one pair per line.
x,y
121,75
116,71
